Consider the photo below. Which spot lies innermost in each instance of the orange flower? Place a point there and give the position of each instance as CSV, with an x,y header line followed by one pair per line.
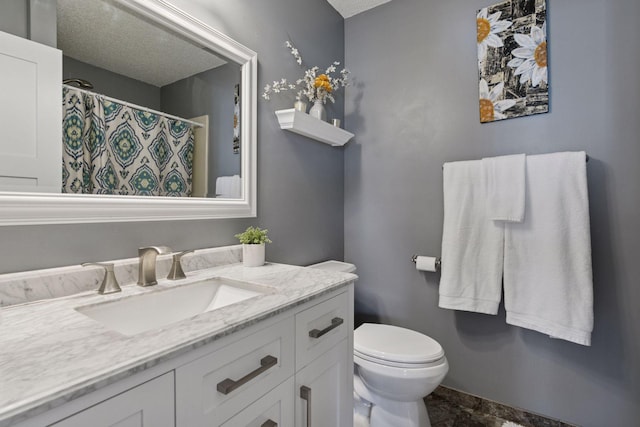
x,y
322,81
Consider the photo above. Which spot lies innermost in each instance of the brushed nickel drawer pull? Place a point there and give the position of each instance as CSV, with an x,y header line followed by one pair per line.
x,y
228,385
269,423
305,394
335,322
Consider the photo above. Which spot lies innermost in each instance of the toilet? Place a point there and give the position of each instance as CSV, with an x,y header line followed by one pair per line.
x,y
395,368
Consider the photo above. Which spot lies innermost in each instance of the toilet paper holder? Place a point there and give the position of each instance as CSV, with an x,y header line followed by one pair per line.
x,y
438,261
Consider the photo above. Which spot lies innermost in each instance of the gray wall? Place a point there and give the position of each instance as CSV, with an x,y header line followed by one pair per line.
x,y
14,18
113,84
210,93
31,19
414,107
300,184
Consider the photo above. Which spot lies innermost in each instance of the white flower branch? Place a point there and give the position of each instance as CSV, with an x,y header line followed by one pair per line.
x,y
312,86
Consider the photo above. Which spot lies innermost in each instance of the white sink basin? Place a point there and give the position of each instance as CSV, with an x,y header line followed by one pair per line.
x,y
162,307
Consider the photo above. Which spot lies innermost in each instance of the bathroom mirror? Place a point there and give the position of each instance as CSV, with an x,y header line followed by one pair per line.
x,y
47,208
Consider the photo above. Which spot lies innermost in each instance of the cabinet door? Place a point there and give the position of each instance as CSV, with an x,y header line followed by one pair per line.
x,y
148,405
30,116
324,390
275,409
212,389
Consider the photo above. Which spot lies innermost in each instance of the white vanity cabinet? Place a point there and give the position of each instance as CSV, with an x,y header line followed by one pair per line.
x,y
293,369
149,404
324,364
310,348
275,409
325,390
213,388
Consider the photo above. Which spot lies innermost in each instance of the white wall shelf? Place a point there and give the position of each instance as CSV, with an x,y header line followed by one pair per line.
x,y
303,124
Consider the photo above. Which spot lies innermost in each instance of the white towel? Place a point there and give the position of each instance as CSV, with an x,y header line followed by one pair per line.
x,y
236,187
223,186
229,187
548,283
472,245
504,176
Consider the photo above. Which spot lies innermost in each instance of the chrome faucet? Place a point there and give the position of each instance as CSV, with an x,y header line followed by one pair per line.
x,y
147,264
176,272
109,282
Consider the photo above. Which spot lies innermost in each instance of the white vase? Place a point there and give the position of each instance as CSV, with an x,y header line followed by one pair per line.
x,y
317,110
253,255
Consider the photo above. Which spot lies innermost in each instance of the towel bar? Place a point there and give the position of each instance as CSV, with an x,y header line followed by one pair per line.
x,y
586,160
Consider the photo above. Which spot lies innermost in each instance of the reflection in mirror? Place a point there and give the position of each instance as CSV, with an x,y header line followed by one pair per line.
x,y
183,97
154,113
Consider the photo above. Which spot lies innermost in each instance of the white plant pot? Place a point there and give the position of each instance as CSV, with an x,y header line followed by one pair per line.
x,y
253,255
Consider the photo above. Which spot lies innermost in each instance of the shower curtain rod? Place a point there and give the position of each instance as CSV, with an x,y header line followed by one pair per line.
x,y
139,107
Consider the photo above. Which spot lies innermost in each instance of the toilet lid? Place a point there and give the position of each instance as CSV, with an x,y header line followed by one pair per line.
x,y
395,344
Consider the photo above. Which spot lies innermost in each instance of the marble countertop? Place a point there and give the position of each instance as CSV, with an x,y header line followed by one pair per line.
x,y
50,353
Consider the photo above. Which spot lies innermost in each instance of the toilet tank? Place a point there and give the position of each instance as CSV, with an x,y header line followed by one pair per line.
x,y
344,267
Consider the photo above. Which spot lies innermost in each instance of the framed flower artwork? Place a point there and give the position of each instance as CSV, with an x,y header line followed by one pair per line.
x,y
512,59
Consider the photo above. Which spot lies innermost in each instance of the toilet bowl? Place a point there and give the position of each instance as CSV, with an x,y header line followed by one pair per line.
x,y
395,368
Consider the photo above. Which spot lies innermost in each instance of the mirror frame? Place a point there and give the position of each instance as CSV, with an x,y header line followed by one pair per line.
x,y
42,208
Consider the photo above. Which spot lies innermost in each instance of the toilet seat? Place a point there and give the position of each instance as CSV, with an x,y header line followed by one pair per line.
x,y
393,364
396,347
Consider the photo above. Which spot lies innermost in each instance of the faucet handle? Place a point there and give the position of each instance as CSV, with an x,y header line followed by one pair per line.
x,y
109,283
176,271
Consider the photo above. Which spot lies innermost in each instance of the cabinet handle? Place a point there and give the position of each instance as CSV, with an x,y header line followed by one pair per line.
x,y
228,385
305,394
269,423
335,322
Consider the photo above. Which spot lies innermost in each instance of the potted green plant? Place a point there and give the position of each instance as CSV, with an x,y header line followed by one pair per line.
x,y
253,241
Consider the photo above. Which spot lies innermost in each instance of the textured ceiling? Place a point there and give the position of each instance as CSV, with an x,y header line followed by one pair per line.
x,y
106,36
348,8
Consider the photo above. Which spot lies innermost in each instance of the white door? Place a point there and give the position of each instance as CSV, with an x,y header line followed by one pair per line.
x,y
324,390
30,115
200,175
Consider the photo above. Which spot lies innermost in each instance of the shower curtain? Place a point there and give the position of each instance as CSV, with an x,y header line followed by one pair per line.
x,y
111,148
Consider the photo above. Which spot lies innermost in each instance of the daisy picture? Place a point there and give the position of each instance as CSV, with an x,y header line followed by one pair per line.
x,y
489,28
530,59
512,59
492,106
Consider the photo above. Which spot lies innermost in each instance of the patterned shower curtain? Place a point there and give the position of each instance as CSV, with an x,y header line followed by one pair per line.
x,y
111,148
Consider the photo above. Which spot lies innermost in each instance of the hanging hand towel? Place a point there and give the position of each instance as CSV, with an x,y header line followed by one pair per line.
x,y
504,176
229,187
224,186
236,187
548,283
472,245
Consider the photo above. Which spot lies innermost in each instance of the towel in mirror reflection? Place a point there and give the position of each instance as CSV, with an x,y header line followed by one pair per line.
x,y
229,187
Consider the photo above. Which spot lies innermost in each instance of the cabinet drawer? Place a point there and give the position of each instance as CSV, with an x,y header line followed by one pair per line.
x,y
275,409
149,404
321,327
215,387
